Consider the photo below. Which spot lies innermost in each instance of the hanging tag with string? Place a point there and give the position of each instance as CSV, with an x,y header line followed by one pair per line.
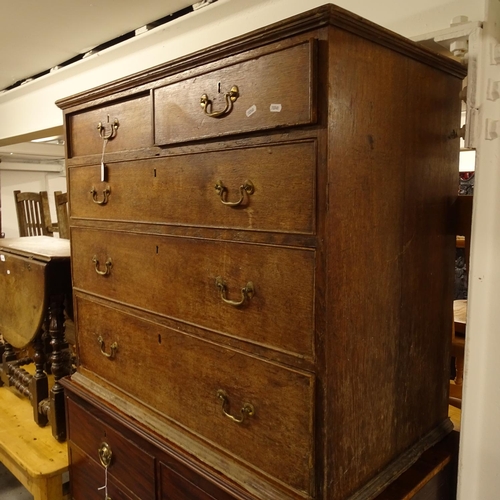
x,y
105,139
103,166
105,455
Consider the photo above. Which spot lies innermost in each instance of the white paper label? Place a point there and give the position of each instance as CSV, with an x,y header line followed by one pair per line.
x,y
2,258
275,108
251,110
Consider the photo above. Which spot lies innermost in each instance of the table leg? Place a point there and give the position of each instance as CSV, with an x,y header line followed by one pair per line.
x,y
39,385
60,365
48,488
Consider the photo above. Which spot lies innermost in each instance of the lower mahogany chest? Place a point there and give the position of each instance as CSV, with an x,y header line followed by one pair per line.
x,y
262,266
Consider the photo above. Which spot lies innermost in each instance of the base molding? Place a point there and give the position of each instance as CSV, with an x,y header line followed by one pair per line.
x,y
397,467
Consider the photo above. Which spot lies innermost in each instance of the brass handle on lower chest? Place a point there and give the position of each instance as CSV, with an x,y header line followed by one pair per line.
x,y
105,454
247,411
246,187
108,265
105,195
102,130
113,348
230,96
247,292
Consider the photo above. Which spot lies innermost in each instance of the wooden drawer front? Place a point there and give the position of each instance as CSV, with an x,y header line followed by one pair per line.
x,y
187,486
274,90
179,376
134,127
130,465
86,477
183,189
177,277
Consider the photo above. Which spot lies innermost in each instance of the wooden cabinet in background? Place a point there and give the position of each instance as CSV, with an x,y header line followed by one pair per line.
x,y
263,269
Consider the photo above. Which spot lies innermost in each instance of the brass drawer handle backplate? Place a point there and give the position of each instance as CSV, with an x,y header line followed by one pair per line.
x,y
247,292
246,187
113,348
230,96
105,454
105,195
108,265
248,409
112,134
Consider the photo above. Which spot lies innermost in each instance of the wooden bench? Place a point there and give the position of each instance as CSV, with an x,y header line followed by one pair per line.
x,y
30,452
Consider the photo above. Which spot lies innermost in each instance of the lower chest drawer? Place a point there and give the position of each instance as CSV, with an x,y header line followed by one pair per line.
x,y
87,479
260,293
98,442
255,411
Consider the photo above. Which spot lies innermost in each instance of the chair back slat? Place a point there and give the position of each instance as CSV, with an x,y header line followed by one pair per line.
x,y
33,214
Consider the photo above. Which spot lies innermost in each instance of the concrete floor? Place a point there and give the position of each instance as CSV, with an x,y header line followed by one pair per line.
x,y
11,488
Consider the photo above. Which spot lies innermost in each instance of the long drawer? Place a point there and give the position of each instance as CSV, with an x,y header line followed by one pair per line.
x,y
242,188
259,293
126,125
266,91
206,388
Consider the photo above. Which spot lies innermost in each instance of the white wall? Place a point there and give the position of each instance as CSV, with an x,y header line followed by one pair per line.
x,y
30,109
479,476
26,180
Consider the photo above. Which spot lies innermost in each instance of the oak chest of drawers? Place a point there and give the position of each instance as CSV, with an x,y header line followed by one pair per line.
x,y
262,266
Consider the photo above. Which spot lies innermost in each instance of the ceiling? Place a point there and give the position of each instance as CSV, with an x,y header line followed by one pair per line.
x,y
38,36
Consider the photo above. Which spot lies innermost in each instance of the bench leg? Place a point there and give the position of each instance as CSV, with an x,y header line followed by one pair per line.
x,y
48,488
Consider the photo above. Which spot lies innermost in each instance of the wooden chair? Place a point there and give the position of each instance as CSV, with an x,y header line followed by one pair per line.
x,y
463,226
61,200
33,214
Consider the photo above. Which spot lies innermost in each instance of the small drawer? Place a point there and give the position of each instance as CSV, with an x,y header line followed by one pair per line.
x,y
128,124
131,466
206,388
86,479
266,91
244,189
260,293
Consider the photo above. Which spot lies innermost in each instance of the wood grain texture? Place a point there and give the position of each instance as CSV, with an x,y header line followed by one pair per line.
x,y
389,197
87,477
346,239
183,189
191,372
283,79
134,129
187,290
131,466
30,452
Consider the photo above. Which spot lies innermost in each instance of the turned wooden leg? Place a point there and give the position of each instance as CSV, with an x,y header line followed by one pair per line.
x,y
59,366
39,384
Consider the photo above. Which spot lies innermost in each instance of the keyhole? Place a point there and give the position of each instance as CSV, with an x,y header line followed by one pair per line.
x,y
108,118
218,88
